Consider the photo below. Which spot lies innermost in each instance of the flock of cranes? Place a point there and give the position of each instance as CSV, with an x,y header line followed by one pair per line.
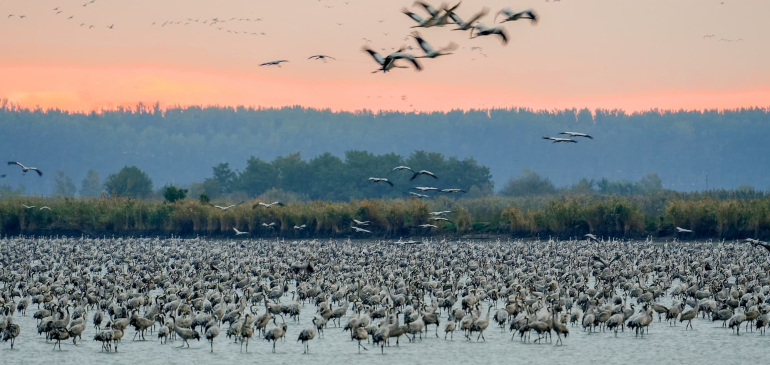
x,y
66,289
446,15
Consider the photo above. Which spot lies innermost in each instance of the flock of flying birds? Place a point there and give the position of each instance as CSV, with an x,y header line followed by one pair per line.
x,y
446,15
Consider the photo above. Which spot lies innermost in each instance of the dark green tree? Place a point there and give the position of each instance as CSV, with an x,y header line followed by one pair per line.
x,y
130,182
172,193
529,183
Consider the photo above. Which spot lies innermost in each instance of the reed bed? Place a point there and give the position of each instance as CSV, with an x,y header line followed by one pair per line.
x,y
608,216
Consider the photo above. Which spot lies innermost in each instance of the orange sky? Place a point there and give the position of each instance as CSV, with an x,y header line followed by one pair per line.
x,y
632,55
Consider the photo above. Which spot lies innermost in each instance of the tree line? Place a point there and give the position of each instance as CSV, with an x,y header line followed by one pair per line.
x,y
690,150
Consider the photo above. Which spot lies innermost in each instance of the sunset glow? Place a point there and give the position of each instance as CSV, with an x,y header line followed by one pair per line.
x,y
563,62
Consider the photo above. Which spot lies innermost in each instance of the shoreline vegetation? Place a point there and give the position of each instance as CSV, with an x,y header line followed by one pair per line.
x,y
717,214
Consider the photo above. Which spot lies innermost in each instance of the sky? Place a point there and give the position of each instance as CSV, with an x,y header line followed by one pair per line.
x,y
610,54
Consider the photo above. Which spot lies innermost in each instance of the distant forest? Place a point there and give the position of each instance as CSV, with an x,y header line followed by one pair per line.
x,y
688,150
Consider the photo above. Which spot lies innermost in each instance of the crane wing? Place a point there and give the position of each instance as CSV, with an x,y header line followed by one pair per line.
x,y
414,16
377,57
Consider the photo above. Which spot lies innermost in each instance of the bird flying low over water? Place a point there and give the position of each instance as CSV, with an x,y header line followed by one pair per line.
x,y
360,230
238,233
361,223
321,57
428,226
45,208
379,180
450,191
682,230
510,16
300,227
576,134
591,237
271,225
557,140
274,63
24,169
424,172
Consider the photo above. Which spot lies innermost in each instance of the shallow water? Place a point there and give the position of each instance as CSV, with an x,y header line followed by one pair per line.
x,y
708,343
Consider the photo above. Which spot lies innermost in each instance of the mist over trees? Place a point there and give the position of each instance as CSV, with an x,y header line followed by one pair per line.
x,y
688,150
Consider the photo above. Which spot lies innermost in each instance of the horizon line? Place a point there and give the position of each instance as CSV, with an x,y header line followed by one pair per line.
x,y
134,107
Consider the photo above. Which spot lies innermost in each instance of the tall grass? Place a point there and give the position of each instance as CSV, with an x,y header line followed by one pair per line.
x,y
609,216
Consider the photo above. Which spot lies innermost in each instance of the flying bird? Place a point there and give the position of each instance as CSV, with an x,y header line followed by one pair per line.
x,y
268,206
682,230
421,23
429,51
441,212
45,207
576,134
440,219
271,225
419,196
424,188
321,57
451,191
224,209
558,140
400,168
111,25
511,16
273,63
299,227
462,25
590,236
428,226
361,223
238,233
424,172
27,206
361,230
379,179
482,30
24,169
388,63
